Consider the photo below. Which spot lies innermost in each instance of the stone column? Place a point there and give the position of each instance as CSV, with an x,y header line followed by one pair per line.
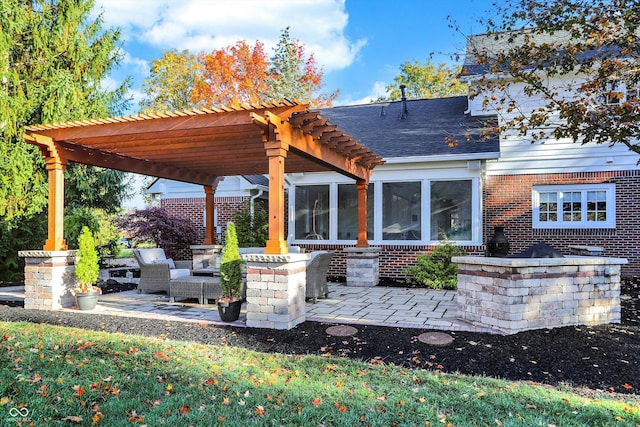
x,y
48,278
276,290
363,266
200,253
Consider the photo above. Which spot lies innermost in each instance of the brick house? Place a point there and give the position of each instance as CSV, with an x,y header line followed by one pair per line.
x,y
444,178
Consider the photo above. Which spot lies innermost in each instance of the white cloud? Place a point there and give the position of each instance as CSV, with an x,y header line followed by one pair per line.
x,y
200,25
140,65
377,90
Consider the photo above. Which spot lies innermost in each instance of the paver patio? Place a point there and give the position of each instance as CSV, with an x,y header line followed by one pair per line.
x,y
382,306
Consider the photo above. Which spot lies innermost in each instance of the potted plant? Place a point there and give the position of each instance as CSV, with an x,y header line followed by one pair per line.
x,y
230,302
87,272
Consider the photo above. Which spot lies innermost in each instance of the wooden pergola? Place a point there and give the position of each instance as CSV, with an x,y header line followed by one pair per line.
x,y
202,147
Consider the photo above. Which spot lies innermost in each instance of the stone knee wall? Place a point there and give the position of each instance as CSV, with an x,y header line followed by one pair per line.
x,y
276,290
363,266
49,277
513,295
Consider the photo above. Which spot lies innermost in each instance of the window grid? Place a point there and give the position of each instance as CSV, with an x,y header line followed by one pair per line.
x,y
573,207
596,206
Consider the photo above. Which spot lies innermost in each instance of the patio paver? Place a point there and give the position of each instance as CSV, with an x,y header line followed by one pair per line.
x,y
381,306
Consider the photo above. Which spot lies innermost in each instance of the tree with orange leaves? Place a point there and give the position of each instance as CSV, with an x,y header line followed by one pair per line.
x,y
237,74
234,74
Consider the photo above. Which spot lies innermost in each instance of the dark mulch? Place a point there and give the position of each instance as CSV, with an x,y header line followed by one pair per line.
x,y
605,358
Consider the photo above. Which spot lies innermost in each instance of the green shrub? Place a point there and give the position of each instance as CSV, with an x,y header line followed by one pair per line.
x,y
251,231
105,234
435,270
87,269
230,265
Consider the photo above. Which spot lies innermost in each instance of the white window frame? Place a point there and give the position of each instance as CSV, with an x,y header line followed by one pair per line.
x,y
377,228
583,189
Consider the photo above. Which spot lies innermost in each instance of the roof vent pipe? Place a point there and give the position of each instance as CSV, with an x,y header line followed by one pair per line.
x,y
404,111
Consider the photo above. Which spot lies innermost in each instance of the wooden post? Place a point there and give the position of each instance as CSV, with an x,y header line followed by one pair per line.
x,y
276,152
209,226
55,239
362,186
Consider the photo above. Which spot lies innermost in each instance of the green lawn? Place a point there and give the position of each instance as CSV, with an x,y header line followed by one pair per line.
x,y
66,376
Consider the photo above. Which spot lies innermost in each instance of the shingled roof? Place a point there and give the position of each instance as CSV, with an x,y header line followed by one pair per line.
x,y
424,132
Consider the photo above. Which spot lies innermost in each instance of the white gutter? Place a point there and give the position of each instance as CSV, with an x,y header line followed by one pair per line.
x,y
444,158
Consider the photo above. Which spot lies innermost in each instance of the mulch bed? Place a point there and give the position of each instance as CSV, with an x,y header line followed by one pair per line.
x,y
604,358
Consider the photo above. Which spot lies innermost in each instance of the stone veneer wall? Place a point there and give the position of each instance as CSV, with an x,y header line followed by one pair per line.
x,y
363,266
276,290
518,294
48,278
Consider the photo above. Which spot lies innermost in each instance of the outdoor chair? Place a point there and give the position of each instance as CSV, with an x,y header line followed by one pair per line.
x,y
317,267
156,270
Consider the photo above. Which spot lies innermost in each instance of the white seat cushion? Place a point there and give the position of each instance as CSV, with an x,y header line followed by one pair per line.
x,y
179,272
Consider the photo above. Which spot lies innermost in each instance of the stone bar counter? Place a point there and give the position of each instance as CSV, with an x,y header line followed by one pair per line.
x,y
518,294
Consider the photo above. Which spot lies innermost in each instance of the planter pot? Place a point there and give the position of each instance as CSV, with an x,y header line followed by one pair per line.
x,y
229,311
87,300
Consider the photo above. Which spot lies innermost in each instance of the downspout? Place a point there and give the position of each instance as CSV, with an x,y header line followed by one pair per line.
x,y
252,202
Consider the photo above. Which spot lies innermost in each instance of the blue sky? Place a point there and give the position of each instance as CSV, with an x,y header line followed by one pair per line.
x,y
359,43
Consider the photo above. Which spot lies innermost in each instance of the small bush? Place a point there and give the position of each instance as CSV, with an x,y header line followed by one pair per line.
x,y
87,269
158,227
231,265
435,270
100,223
251,231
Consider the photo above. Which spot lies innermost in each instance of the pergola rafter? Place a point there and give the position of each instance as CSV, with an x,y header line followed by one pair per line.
x,y
202,146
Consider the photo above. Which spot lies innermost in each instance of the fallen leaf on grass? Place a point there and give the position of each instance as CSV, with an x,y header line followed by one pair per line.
x,y
73,419
79,390
134,417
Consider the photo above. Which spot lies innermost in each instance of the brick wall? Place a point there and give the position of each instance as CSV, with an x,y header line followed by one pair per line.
x,y
193,209
507,202
393,258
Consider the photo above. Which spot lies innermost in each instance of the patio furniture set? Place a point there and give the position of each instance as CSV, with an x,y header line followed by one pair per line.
x,y
179,279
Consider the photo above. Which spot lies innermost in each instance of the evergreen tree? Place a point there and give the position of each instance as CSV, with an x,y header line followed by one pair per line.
x,y
230,265
53,60
294,75
87,269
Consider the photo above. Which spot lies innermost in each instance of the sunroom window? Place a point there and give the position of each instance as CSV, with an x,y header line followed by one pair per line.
x,y
451,210
401,211
312,212
563,206
348,212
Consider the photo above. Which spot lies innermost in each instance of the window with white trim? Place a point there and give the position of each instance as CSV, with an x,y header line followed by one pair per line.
x,y
574,206
398,212
616,92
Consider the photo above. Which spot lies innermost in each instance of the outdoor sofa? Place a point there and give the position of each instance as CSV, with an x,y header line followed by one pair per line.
x,y
156,270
